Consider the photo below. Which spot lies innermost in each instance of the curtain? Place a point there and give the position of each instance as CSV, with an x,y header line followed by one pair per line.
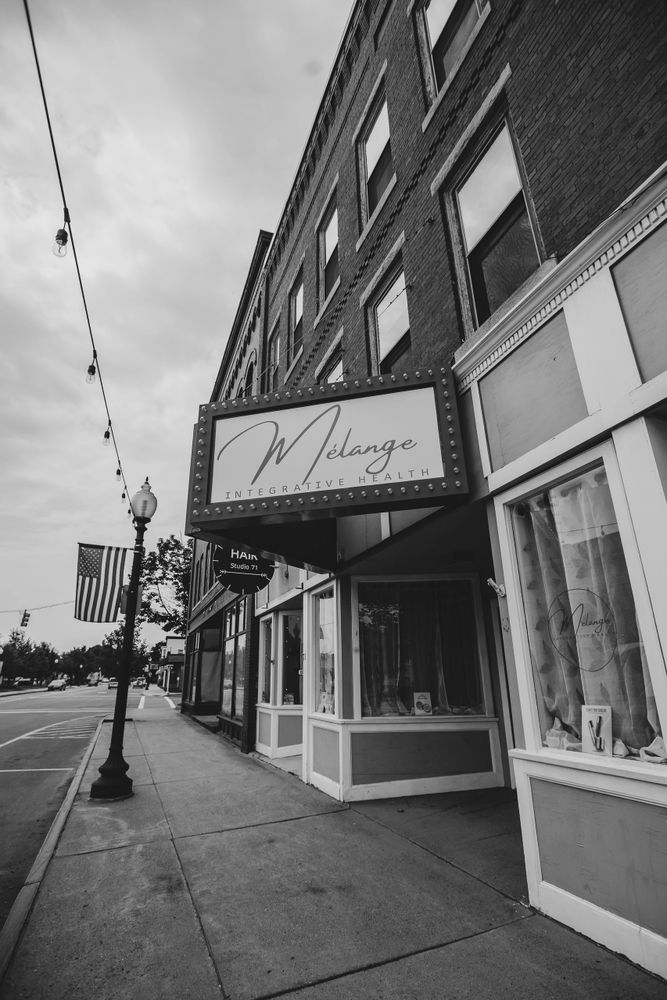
x,y
582,628
419,638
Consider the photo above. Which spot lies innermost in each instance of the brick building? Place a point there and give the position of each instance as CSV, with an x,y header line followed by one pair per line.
x,y
441,415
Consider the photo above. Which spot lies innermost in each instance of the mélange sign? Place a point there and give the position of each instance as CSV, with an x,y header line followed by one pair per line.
x,y
382,443
240,569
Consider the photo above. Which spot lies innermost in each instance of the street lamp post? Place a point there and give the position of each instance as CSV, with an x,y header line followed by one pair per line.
x,y
114,782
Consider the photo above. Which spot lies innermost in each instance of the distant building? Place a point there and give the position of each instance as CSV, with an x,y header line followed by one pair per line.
x,y
441,415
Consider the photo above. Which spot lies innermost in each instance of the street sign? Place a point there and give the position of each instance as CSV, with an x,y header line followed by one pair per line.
x,y
241,570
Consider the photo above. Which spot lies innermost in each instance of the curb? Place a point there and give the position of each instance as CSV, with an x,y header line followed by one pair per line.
x,y
18,915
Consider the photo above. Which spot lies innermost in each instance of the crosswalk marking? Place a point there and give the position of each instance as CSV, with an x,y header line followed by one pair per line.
x,y
81,729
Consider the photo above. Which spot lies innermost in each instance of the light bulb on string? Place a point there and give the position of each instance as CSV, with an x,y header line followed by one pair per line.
x,y
91,373
106,441
59,248
123,497
118,474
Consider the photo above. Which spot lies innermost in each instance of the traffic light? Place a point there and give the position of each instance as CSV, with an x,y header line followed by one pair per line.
x,y
25,619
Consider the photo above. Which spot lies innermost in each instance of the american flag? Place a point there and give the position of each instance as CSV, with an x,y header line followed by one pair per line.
x,y
99,581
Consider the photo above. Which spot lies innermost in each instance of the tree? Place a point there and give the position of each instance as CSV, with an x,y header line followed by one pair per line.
x,y
165,580
113,647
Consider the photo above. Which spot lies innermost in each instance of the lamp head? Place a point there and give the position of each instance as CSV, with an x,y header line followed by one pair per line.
x,y
144,503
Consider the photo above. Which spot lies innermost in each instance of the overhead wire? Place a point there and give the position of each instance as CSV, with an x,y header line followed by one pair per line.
x,y
95,364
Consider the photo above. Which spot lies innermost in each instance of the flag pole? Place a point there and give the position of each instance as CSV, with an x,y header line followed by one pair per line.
x,y
114,782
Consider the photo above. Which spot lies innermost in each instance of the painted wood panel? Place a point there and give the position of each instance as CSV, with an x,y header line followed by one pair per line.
x,y
325,753
264,728
400,756
290,730
641,284
604,849
531,396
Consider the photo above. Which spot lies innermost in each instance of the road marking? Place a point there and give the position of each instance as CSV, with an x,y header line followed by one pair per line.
x,y
170,702
75,733
141,703
31,770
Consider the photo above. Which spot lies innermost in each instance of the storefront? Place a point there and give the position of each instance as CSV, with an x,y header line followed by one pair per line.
x,y
579,529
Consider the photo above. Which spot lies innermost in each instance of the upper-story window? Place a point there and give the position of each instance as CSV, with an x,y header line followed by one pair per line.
x,y
249,380
498,240
375,162
327,247
273,364
295,341
448,27
390,323
333,370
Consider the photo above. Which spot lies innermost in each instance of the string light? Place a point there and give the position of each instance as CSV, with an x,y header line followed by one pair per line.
x,y
123,497
59,248
64,237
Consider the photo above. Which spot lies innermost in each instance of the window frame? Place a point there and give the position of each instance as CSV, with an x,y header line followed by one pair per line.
x,y
605,455
362,133
273,362
434,91
295,325
325,294
237,613
482,653
470,162
382,365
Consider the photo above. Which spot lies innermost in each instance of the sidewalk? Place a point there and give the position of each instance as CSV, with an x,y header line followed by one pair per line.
x,y
226,877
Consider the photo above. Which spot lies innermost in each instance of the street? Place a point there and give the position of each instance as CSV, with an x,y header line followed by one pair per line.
x,y
43,737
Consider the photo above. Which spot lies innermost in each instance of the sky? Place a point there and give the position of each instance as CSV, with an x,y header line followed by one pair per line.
x,y
179,126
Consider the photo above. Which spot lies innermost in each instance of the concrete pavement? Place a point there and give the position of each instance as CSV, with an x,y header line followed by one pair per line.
x,y
224,876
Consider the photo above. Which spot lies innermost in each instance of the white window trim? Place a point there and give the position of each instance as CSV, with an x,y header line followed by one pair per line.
x,y
454,721
313,654
370,291
361,125
273,619
428,60
333,347
274,331
603,454
327,301
378,208
294,363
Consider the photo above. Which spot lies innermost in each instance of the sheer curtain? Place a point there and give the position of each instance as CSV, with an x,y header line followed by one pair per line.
x,y
582,627
419,637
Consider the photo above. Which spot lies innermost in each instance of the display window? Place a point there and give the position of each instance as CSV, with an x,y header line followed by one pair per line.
x,y
420,648
234,660
266,661
588,662
291,659
325,626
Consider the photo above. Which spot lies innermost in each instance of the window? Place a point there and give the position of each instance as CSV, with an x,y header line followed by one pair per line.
x,y
418,648
333,371
273,365
585,643
448,27
375,163
327,240
325,625
249,380
265,661
295,318
498,239
292,673
390,324
234,660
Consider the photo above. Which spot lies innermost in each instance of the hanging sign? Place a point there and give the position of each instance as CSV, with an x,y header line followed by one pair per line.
x,y
240,569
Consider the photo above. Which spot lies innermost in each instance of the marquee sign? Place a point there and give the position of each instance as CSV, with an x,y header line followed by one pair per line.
x,y
376,444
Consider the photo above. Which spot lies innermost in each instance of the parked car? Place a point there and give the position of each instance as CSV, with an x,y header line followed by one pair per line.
x,y
58,685
139,682
113,683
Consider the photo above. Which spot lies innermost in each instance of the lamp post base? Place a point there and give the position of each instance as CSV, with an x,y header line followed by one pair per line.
x,y
113,782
